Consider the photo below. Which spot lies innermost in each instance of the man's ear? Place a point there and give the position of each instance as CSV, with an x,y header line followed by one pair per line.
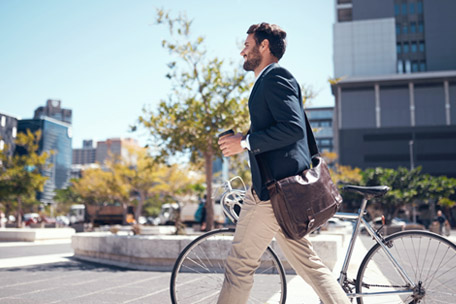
x,y
264,45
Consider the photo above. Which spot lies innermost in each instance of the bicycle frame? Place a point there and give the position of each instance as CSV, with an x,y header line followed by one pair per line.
x,y
358,218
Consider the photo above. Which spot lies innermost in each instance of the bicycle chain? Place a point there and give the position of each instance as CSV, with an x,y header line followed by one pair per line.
x,y
375,285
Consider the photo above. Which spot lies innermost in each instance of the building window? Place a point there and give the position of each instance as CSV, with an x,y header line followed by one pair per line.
x,y
344,14
420,27
326,142
414,66
412,8
396,10
325,123
423,66
422,46
419,7
408,66
414,48
14,132
400,67
2,145
404,9
404,29
413,27
3,121
344,1
398,29
406,48
398,48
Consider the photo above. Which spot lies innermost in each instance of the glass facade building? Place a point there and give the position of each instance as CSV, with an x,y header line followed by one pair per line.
x,y
56,136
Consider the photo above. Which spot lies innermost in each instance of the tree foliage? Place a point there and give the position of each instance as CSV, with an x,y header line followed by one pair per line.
x,y
341,174
66,197
20,174
136,179
408,186
207,96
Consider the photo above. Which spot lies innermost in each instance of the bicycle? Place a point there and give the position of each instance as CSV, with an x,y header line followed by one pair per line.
x,y
405,267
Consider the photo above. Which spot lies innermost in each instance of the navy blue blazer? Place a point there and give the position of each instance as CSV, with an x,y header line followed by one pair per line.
x,y
277,128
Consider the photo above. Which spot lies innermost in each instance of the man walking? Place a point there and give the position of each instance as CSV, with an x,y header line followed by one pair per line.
x,y
277,137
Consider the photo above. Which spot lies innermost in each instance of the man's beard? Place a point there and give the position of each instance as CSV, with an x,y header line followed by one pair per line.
x,y
250,64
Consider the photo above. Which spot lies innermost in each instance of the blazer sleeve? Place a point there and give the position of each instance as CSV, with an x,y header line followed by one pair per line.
x,y
283,101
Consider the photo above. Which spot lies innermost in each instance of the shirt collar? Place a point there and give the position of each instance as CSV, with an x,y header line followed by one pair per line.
x,y
259,75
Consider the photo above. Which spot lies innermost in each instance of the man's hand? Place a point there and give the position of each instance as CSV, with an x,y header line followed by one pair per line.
x,y
231,145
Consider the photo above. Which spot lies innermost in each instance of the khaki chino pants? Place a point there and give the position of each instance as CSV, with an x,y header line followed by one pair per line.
x,y
255,230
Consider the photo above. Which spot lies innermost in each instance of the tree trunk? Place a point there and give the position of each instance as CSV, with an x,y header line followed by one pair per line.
x,y
19,213
138,211
208,158
124,213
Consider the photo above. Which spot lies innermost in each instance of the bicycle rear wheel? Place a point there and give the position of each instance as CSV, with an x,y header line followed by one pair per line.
x,y
198,273
425,257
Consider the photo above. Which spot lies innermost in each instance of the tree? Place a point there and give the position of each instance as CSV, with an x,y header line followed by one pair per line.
x,y
437,189
134,179
20,174
147,178
66,197
403,184
207,97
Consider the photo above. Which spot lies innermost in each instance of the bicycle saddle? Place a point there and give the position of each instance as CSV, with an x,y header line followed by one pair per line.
x,y
373,191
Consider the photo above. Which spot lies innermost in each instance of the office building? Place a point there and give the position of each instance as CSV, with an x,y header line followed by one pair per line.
x,y
54,110
321,121
114,147
85,155
8,132
56,136
396,91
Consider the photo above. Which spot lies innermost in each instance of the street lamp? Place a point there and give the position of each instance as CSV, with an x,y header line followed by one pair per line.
x,y
412,166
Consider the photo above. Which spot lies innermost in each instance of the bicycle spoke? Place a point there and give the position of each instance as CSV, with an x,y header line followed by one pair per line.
x,y
430,258
415,270
204,259
441,266
427,251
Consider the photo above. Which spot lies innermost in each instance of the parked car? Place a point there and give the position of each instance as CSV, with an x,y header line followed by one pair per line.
x,y
168,214
377,222
396,224
338,224
35,218
62,220
31,218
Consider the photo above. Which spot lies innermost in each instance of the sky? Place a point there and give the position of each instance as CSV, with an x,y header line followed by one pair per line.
x,y
104,60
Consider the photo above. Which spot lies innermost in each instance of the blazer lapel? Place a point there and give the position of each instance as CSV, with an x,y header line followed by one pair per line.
x,y
257,83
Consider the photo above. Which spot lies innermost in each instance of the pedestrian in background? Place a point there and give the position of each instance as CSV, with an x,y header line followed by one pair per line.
x,y
441,220
200,214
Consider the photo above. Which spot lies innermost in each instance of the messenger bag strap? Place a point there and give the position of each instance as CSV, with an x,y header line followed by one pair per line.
x,y
313,149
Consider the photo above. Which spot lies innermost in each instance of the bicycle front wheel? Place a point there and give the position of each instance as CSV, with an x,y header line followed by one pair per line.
x,y
429,260
198,273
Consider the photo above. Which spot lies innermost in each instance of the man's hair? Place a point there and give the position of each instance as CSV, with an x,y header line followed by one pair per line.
x,y
273,33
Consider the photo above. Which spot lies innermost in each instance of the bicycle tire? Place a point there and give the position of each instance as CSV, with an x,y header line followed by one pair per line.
x,y
197,277
426,257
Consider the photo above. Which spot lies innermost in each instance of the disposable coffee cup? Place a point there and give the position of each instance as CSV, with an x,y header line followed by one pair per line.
x,y
230,132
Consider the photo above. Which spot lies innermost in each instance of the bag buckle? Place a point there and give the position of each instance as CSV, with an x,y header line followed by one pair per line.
x,y
311,223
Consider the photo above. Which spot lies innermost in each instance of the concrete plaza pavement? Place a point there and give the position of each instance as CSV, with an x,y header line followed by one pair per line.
x,y
45,272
